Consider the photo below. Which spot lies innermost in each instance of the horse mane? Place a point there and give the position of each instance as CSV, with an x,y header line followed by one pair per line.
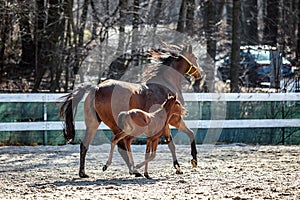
x,y
168,102
159,60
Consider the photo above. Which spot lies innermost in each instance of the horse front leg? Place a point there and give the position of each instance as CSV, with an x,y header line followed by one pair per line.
x,y
178,122
183,127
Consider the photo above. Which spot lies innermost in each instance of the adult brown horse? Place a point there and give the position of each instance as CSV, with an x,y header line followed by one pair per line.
x,y
105,101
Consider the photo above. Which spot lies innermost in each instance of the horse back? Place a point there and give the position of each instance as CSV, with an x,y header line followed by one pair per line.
x,y
140,117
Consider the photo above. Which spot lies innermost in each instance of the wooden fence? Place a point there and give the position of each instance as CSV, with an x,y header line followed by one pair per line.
x,y
46,125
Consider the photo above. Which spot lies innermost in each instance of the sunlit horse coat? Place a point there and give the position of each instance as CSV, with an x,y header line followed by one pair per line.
x,y
137,122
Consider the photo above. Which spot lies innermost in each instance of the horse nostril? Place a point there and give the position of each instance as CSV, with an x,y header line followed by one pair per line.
x,y
184,112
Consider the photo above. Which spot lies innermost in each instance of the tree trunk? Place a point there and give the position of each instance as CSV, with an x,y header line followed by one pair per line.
x,y
39,41
157,13
298,36
135,39
122,23
190,17
271,23
210,29
82,25
49,44
249,35
181,18
229,11
5,23
27,56
235,51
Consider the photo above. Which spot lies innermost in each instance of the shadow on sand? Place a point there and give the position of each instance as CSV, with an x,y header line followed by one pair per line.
x,y
99,182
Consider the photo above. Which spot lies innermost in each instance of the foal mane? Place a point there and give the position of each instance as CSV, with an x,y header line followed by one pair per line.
x,y
169,103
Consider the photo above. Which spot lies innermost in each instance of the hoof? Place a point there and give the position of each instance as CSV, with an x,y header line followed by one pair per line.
x,y
138,174
104,168
178,171
135,173
83,175
194,162
147,175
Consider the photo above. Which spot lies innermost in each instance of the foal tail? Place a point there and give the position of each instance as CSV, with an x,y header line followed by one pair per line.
x,y
68,111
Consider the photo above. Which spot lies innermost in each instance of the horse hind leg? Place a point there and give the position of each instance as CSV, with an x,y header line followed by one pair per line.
x,y
84,146
92,123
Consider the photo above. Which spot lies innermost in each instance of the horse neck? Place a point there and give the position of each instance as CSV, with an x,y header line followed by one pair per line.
x,y
160,113
167,110
169,77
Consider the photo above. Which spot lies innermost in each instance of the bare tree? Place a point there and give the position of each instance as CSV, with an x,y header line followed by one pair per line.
x,y
249,25
122,23
298,35
27,57
135,27
190,16
181,17
235,51
271,22
5,23
210,28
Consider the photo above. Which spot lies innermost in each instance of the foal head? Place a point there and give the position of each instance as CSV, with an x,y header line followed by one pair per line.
x,y
173,106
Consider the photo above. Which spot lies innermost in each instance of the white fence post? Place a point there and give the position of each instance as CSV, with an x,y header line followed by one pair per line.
x,y
45,120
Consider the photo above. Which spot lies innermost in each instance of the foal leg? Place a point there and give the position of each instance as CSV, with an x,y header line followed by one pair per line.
x,y
147,153
132,170
122,148
119,136
151,157
172,148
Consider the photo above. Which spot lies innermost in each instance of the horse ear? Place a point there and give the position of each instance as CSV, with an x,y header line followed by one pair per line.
x,y
185,49
190,49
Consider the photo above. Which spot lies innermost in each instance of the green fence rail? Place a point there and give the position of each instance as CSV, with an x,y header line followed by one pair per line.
x,y
215,117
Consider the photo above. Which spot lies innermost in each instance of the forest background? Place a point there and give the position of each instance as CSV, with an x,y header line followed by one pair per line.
x,y
46,44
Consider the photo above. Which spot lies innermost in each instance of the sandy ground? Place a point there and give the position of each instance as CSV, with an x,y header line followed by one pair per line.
x,y
224,172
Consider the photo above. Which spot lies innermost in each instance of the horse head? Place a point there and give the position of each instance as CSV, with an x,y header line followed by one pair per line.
x,y
191,68
173,106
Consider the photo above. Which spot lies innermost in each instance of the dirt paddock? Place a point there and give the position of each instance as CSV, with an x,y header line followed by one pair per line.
x,y
223,172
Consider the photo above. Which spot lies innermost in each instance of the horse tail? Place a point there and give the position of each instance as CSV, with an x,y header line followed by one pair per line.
x,y
68,111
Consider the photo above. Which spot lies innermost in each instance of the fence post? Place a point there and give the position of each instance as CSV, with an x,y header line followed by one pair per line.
x,y
45,120
297,84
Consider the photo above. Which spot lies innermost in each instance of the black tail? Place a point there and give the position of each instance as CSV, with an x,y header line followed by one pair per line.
x,y
68,110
